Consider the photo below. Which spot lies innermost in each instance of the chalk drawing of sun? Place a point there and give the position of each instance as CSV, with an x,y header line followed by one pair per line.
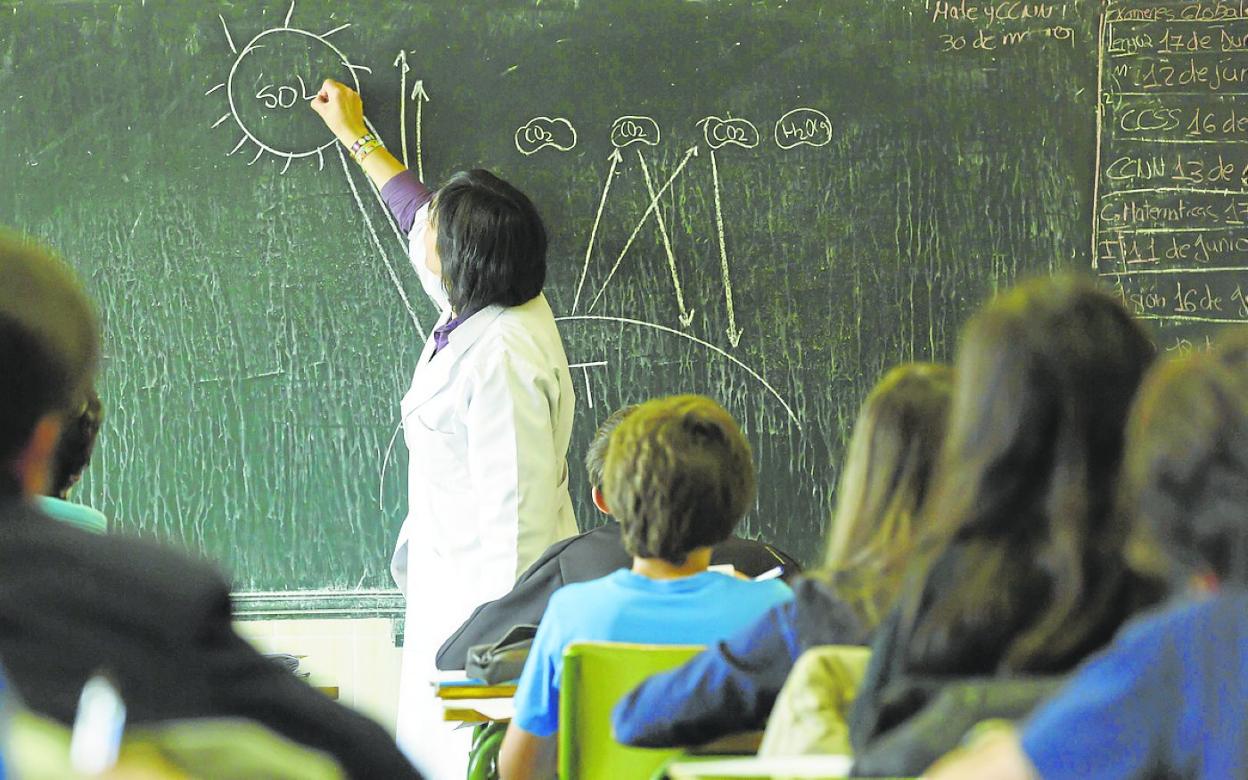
x,y
269,86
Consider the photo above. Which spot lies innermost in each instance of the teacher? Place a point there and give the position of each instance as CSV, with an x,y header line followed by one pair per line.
x,y
487,420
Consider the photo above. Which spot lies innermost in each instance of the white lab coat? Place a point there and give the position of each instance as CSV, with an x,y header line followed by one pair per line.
x,y
487,423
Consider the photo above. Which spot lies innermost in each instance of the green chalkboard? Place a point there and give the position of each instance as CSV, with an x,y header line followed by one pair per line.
x,y
769,203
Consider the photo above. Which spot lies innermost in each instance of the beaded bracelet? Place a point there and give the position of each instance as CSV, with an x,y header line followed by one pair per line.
x,y
368,148
359,142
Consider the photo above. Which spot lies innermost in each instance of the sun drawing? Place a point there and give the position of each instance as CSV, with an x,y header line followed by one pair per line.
x,y
269,86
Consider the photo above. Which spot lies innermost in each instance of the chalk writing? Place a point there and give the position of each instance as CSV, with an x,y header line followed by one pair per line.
x,y
721,132
543,132
629,130
965,25
803,126
1171,216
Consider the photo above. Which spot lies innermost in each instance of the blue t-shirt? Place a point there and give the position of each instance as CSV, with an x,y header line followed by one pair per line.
x,y
1168,698
627,607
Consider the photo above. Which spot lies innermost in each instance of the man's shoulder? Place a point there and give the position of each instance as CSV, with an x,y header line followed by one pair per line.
x,y
35,547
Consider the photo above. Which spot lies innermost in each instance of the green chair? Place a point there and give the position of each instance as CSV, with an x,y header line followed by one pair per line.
x,y
596,675
483,758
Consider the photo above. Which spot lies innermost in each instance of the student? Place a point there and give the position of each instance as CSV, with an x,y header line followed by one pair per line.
x,y
732,686
73,454
1170,697
588,556
75,604
679,475
488,417
1024,569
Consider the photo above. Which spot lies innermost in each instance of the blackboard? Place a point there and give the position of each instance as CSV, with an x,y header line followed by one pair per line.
x,y
769,203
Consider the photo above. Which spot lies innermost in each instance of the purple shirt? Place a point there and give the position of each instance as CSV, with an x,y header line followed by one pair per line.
x,y
405,195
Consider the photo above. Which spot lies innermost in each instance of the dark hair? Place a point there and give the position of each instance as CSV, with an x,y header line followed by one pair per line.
x,y
596,453
490,240
1022,502
1185,477
884,481
48,344
73,453
678,476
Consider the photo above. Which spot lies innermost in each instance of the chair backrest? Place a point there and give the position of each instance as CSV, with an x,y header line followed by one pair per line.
x,y
811,714
220,749
596,675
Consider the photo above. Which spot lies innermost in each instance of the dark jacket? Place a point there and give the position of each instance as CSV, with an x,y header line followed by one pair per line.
x,y
74,603
894,688
732,686
582,558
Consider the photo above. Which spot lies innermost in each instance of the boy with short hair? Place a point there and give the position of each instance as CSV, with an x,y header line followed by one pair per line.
x,y
679,478
588,556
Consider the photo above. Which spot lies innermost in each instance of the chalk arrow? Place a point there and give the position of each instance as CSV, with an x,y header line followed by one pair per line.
x,y
421,97
654,204
615,159
400,62
734,335
686,316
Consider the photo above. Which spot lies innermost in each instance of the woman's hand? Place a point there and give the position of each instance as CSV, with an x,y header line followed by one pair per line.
x,y
341,109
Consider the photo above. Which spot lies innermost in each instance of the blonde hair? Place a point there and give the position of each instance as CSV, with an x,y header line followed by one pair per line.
x,y
883,483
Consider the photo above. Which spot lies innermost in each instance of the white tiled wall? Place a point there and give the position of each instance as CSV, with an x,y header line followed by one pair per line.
x,y
357,656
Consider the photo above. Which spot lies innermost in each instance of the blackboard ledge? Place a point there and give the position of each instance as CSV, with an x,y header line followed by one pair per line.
x,y
322,604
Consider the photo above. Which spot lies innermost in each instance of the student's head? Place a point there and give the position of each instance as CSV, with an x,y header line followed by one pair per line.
x,y
883,483
596,454
48,348
488,242
78,435
1027,479
1185,475
678,476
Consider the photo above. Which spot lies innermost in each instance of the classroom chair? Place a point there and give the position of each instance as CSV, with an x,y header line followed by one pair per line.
x,y
596,675
483,757
811,714
37,748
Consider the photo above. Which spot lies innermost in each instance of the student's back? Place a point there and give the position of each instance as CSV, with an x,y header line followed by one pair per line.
x,y
1170,696
627,607
679,476
584,557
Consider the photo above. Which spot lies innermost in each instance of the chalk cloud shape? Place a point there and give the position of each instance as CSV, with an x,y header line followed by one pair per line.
x,y
803,127
727,131
543,132
629,130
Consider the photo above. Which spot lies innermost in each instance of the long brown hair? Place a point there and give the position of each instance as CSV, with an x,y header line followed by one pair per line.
x,y
883,482
1026,484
